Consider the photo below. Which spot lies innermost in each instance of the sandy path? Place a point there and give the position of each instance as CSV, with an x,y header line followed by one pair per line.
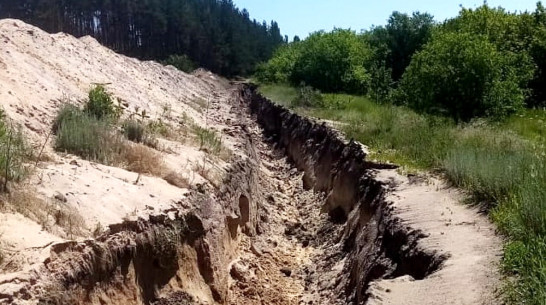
x,y
470,274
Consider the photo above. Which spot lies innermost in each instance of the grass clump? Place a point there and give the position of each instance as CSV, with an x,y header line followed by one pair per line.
x,y
307,97
90,132
14,152
87,136
209,140
134,131
143,160
501,164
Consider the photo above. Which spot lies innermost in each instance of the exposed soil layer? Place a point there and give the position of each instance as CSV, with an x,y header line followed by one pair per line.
x,y
361,230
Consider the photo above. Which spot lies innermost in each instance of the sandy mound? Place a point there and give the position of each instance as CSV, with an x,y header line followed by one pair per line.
x,y
39,73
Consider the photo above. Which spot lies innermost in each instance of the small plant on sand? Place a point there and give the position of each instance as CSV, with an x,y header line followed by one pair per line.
x,y
101,105
143,160
209,140
176,179
98,230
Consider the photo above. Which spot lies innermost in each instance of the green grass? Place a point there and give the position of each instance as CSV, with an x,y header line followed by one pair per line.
x,y
87,136
15,152
283,95
501,164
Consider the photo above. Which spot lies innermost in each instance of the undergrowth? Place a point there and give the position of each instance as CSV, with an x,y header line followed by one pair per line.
x,y
501,164
98,138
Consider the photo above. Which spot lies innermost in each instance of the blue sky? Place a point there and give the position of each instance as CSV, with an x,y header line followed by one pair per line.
x,y
300,17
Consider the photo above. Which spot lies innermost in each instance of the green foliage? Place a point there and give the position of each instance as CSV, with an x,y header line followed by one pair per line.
x,y
208,139
279,68
333,62
537,50
87,136
330,62
395,43
181,62
464,76
14,152
505,30
100,104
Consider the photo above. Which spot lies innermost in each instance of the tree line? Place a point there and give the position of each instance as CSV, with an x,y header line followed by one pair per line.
x,y
213,34
484,62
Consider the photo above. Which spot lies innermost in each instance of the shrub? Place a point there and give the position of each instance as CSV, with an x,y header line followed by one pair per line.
x,y
333,62
279,68
176,179
87,136
134,131
67,112
330,62
208,139
100,104
181,62
464,76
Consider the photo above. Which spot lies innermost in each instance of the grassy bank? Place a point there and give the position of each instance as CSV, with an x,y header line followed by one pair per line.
x,y
501,164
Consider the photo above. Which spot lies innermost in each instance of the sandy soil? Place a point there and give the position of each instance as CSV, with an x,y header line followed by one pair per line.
x,y
470,273
40,72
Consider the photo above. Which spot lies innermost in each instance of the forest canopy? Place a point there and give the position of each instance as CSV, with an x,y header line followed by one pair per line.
x,y
213,34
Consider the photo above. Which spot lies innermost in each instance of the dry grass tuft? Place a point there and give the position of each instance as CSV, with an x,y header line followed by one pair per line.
x,y
143,160
176,179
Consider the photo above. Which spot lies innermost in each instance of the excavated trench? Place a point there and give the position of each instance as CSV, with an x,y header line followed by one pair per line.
x,y
299,219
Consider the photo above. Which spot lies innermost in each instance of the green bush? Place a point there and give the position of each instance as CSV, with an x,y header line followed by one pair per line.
x,y
330,62
279,68
181,62
333,62
87,136
67,112
464,76
100,104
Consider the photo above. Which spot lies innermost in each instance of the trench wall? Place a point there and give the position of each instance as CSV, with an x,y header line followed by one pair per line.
x,y
373,240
